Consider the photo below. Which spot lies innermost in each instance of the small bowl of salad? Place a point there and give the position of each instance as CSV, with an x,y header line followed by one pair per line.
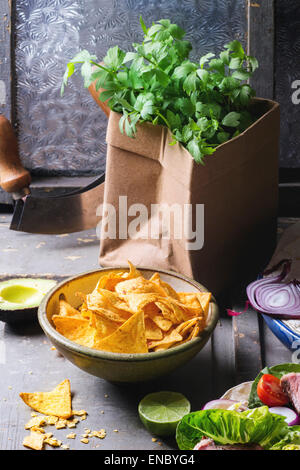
x,y
263,414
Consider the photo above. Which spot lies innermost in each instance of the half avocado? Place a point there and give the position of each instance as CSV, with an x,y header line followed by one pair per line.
x,y
21,297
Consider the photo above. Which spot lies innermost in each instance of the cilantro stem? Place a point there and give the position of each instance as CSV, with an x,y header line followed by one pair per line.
x,y
164,119
112,72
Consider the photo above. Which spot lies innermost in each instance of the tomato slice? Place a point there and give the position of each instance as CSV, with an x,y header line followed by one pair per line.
x,y
270,392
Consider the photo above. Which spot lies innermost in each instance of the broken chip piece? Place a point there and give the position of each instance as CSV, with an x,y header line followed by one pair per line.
x,y
34,440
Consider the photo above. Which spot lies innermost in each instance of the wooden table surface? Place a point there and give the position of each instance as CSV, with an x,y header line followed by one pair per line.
x,y
238,349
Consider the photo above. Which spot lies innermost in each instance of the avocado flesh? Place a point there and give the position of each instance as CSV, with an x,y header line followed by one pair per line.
x,y
22,294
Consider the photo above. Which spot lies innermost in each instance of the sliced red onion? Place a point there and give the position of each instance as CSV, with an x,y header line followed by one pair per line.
x,y
274,297
223,404
290,416
233,313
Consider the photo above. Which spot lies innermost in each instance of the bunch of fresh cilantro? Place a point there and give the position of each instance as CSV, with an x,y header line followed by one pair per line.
x,y
202,104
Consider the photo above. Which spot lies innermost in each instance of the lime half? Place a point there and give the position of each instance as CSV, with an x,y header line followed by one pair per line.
x,y
160,412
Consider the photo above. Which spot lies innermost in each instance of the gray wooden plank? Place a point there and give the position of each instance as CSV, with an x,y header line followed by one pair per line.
x,y
248,352
261,45
247,347
23,253
223,357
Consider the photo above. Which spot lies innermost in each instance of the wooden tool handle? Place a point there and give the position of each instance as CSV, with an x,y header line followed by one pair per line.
x,y
95,94
13,176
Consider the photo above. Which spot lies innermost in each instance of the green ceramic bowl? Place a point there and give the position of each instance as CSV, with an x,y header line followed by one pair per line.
x,y
116,367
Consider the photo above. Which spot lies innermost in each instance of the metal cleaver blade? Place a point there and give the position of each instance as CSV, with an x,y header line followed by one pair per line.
x,y
73,212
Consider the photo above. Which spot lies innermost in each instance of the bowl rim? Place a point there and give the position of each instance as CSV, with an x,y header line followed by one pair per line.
x,y
51,332
281,324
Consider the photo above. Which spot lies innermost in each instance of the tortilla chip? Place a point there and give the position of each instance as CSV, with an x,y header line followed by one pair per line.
x,y
170,338
57,402
103,326
171,310
130,338
152,330
85,312
184,327
34,440
112,300
167,289
137,302
195,332
191,301
108,304
154,313
110,280
66,310
109,315
204,298
133,272
139,285
75,329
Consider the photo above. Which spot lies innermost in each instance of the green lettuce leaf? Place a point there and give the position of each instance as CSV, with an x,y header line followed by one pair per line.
x,y
278,371
257,426
291,440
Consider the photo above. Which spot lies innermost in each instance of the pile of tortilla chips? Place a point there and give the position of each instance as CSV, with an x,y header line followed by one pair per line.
x,y
127,313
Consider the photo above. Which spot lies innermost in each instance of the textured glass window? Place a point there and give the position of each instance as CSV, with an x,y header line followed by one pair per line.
x,y
67,135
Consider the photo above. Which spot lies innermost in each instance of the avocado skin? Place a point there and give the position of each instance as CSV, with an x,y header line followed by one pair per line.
x,y
19,314
22,315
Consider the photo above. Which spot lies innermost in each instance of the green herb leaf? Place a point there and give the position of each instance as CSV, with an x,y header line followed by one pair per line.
x,y
114,57
203,106
231,119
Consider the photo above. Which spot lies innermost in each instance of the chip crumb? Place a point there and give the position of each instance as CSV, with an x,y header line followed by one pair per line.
x,y
51,419
72,435
52,441
30,372
38,429
102,412
53,348
87,430
159,443
106,396
71,423
101,434
10,387
34,440
116,430
65,446
79,412
154,439
86,434
84,440
61,424
37,421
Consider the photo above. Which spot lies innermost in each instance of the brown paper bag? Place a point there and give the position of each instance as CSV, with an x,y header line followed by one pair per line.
x,y
236,188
